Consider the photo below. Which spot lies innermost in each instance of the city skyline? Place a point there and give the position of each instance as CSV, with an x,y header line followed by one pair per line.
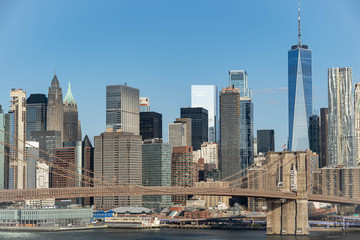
x,y
267,71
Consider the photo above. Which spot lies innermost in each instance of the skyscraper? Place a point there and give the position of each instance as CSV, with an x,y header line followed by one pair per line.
x,y
55,110
299,94
71,118
180,132
324,153
265,141
36,108
357,120
341,138
205,96
144,104
238,79
150,125
199,125
88,164
314,133
230,160
122,108
4,149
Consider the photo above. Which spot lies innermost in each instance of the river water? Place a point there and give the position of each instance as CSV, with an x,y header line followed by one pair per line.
x,y
167,233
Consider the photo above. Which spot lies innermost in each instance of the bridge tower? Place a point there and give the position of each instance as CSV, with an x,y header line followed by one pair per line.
x,y
287,172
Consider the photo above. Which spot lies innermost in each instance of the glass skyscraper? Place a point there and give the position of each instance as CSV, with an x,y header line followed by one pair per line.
x,y
238,79
205,96
299,95
36,107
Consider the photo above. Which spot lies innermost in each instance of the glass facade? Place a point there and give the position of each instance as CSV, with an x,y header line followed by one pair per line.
x,y
150,125
265,141
36,107
238,79
4,150
246,132
205,96
299,96
314,133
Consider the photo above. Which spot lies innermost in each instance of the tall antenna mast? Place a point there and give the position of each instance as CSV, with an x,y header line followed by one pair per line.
x,y
299,34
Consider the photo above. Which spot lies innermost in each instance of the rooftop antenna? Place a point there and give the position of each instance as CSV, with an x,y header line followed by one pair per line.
x,y
299,35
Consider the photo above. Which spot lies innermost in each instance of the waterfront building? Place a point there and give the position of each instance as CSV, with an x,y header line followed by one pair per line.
x,y
230,161
265,141
17,165
213,201
4,149
199,125
324,153
314,133
206,96
144,104
55,110
36,108
118,160
122,108
299,94
71,130
180,132
150,125
182,170
156,171
341,125
357,120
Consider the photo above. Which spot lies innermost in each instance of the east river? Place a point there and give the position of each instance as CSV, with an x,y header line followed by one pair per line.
x,y
174,234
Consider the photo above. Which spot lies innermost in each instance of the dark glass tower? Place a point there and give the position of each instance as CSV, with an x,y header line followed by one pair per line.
x,y
199,125
246,132
314,133
265,141
36,107
324,154
150,125
299,95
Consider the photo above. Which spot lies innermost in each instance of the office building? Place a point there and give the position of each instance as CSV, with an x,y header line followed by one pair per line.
x,y
36,108
71,118
210,153
199,125
88,165
122,108
246,132
265,141
299,94
206,96
156,171
32,156
357,120
48,140
238,79
324,154
118,160
150,125
314,133
213,201
180,132
144,104
341,125
4,149
230,160
182,170
17,113
55,109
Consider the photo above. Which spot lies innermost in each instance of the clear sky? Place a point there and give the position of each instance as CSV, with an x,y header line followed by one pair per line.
x,y
163,47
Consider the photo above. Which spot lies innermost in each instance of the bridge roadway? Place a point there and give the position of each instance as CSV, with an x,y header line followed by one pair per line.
x,y
43,193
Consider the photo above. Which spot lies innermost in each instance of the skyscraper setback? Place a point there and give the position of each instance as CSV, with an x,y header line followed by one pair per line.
x,y
55,110
299,94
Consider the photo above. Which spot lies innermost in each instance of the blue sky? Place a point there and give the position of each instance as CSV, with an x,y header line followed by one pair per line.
x,y
162,47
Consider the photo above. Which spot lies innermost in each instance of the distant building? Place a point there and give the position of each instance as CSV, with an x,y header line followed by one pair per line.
x,y
150,125
156,171
357,120
48,140
71,130
314,133
210,153
238,79
55,110
341,138
199,125
324,153
36,108
144,104
118,160
4,149
180,132
122,108
206,96
182,169
265,141
88,165
32,155
213,201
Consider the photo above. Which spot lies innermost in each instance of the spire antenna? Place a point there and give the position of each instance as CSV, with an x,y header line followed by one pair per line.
x,y
299,34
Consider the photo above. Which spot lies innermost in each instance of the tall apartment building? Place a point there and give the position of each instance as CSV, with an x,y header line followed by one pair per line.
x,y
210,153
324,153
55,110
156,170
299,94
118,160
71,130
341,138
36,108
180,132
17,167
314,133
182,170
150,125
357,120
199,125
230,160
122,108
4,149
206,96
265,141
